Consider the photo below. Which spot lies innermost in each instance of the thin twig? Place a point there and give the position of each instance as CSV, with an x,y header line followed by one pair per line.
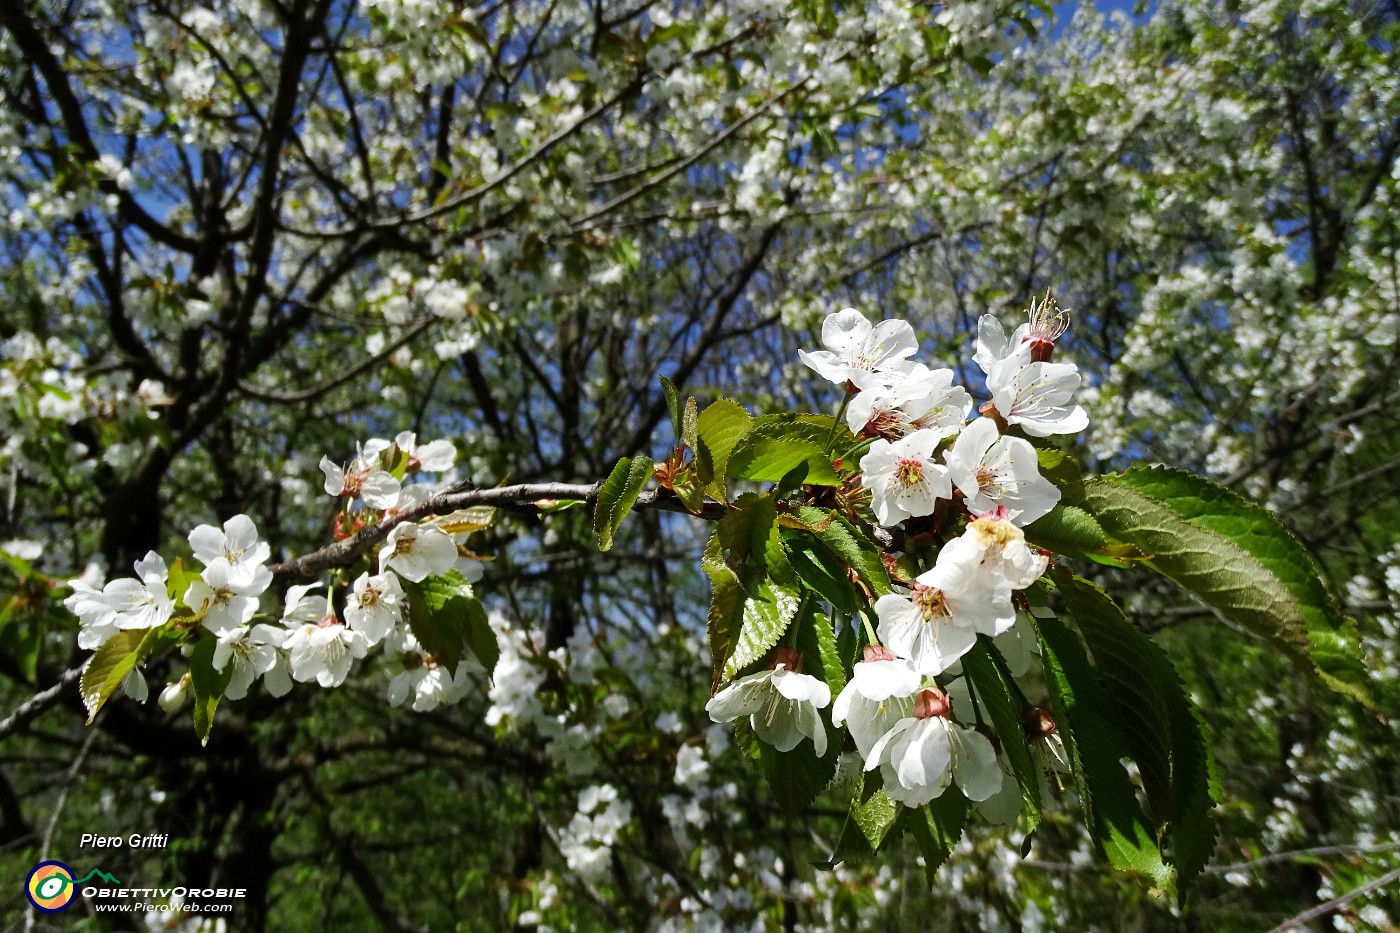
x,y
40,702
1326,907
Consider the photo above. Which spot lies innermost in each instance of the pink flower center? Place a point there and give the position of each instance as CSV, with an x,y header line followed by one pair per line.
x,y
909,471
930,602
876,653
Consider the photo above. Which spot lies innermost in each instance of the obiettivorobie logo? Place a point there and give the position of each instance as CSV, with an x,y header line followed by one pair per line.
x,y
51,886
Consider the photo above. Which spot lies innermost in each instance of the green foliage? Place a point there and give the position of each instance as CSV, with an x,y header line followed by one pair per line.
x,y
617,496
718,429
1237,557
1006,707
1161,724
1083,714
766,617
110,664
207,686
937,826
446,616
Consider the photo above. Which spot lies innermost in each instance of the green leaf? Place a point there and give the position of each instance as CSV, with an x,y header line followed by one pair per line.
x,y
1096,746
869,822
1064,471
766,618
798,776
849,544
745,533
480,637
937,827
1067,529
1238,558
1160,722
816,639
821,571
207,686
445,616
726,613
768,459
178,580
617,496
110,664
718,429
1005,706
674,407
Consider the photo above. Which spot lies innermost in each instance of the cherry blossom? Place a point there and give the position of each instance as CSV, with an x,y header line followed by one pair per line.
x,y
992,542
363,480
860,353
143,602
253,652
992,470
781,703
926,753
876,697
220,600
924,399
940,619
375,606
236,548
416,552
903,478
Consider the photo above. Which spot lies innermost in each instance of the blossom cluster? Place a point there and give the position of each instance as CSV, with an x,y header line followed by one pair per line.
x,y
309,641
929,470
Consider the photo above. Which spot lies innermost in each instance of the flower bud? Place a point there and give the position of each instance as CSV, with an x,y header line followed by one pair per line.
x,y
1037,723
789,658
876,653
931,702
173,696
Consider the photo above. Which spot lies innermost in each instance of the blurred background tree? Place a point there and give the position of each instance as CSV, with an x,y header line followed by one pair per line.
x,y
239,238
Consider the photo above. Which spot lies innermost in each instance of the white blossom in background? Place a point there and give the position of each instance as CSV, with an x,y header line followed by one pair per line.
x,y
416,552
860,353
903,478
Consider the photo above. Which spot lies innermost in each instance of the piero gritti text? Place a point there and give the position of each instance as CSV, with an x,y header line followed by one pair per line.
x,y
133,841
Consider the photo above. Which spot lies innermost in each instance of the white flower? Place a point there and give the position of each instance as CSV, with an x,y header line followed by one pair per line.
x,y
236,547
992,345
362,479
926,753
94,610
939,621
324,652
903,478
433,457
24,549
1002,807
992,470
224,603
134,685
253,652
417,551
859,353
375,606
1036,396
1019,646
302,606
691,765
924,399
781,704
999,548
878,695
141,603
